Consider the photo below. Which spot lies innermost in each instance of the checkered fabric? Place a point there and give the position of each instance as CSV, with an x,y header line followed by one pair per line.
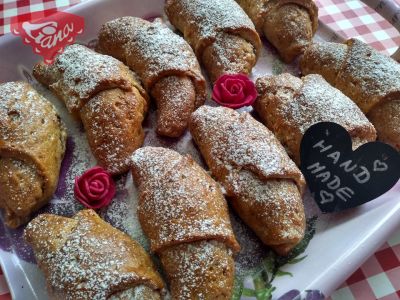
x,y
12,8
379,277
354,19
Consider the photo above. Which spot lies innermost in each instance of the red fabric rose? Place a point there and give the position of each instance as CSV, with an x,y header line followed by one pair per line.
x,y
234,91
95,188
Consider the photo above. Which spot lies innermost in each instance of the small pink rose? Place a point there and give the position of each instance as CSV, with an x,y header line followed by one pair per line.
x,y
234,91
95,188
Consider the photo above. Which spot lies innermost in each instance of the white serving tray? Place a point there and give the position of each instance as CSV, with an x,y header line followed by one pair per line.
x,y
342,242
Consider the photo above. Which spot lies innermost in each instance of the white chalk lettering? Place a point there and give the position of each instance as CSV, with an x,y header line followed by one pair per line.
x,y
317,168
345,193
363,176
334,184
324,175
320,144
347,166
380,166
326,197
335,156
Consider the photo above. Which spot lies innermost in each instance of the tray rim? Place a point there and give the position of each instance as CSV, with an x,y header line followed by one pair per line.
x,y
388,226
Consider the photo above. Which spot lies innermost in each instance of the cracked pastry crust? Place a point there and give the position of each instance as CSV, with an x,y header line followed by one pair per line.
x,y
32,146
184,214
369,78
108,98
165,64
288,106
263,185
289,25
84,257
220,33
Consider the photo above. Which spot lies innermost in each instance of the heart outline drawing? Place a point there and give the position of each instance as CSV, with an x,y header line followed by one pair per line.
x,y
364,174
380,169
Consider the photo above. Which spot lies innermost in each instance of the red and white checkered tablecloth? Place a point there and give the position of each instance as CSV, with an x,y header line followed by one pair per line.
x,y
379,277
353,18
11,8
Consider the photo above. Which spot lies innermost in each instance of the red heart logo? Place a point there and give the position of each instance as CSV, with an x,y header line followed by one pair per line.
x,y
48,36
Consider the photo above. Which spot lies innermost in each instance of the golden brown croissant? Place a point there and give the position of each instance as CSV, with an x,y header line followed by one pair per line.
x,y
86,258
165,63
32,146
262,183
221,34
184,214
288,106
289,25
106,96
370,79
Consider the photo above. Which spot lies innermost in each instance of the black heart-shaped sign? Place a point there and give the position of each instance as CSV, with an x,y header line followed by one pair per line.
x,y
341,178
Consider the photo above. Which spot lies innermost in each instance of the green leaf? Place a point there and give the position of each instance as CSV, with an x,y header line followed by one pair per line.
x,y
259,282
238,288
296,260
302,246
265,294
248,292
265,277
281,273
264,274
270,262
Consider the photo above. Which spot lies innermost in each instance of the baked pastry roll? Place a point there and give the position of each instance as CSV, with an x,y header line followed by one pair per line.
x,y
369,78
263,185
221,34
32,146
184,214
289,25
84,257
164,62
106,96
288,106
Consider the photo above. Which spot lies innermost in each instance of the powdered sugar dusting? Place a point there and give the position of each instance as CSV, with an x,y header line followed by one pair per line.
x,y
251,164
164,62
33,136
150,48
19,199
78,263
172,186
239,142
256,10
176,100
229,54
104,126
138,293
318,101
179,202
281,199
18,102
210,17
359,71
113,121
199,269
64,203
80,73
122,212
106,96
370,75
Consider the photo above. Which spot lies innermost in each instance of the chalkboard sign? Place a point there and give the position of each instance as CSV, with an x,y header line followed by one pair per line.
x,y
341,178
